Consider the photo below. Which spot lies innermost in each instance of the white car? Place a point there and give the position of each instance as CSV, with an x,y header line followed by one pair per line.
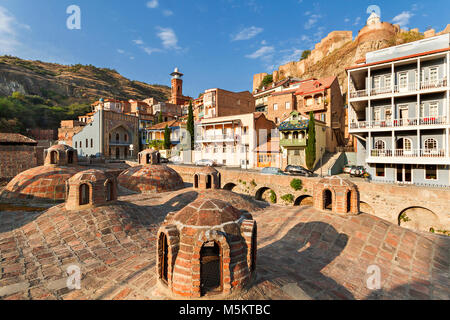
x,y
205,162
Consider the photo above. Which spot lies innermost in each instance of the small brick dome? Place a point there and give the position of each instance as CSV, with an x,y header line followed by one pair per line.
x,y
90,188
60,155
337,195
207,178
151,179
149,156
207,248
43,183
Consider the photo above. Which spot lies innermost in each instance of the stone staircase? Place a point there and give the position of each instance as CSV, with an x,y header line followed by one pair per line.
x,y
328,160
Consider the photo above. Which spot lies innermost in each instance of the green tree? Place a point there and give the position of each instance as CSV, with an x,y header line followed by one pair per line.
x,y
305,54
190,125
160,118
267,80
310,152
167,143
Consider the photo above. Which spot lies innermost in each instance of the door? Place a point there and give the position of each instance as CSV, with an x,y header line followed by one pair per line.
x,y
403,115
403,82
404,173
117,153
210,268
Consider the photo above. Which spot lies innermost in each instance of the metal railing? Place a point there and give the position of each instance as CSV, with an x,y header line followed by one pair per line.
x,y
410,87
413,153
440,120
217,137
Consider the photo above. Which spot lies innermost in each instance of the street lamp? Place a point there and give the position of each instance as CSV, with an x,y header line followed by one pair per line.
x,y
131,150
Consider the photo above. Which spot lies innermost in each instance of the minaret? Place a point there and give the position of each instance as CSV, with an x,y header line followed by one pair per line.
x,y
177,87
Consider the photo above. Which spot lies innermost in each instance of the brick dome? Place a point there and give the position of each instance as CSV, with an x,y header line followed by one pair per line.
x,y
337,195
60,155
150,179
240,202
90,188
207,248
45,183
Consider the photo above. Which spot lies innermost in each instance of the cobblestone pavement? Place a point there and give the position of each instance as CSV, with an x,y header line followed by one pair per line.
x,y
302,253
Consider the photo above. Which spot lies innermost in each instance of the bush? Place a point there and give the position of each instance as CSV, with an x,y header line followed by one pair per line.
x,y
296,184
305,54
253,183
273,197
266,81
289,198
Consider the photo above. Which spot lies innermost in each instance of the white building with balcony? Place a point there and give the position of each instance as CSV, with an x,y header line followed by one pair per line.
x,y
399,108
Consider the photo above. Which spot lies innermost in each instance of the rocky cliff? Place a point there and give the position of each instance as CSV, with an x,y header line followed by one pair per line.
x,y
78,83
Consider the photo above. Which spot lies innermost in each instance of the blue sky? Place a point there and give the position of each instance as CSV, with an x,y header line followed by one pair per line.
x,y
215,43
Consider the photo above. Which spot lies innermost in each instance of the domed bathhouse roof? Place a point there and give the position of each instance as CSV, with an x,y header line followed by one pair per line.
x,y
151,179
90,188
199,241
337,195
207,178
60,155
149,156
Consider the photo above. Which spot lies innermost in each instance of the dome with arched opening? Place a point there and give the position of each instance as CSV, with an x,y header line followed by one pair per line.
x,y
60,155
207,248
90,188
151,179
149,156
47,182
207,178
337,195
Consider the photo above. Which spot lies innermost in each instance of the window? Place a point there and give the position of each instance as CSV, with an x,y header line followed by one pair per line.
x,y
377,114
433,110
309,102
117,137
407,144
277,120
430,145
92,143
431,172
377,82
81,144
387,81
288,105
76,144
433,74
275,106
422,111
388,114
403,80
380,145
380,171
125,137
87,143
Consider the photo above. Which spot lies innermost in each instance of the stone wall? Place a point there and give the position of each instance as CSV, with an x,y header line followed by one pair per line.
x,y
15,159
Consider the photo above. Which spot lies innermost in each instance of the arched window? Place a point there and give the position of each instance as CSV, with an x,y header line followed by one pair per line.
x,y
53,157
430,144
254,244
70,157
196,181
349,201
125,137
84,194
163,251
109,191
210,268
380,145
117,137
327,200
295,135
92,143
208,181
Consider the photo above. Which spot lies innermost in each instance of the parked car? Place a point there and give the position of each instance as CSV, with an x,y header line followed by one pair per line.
x,y
348,168
205,162
357,171
163,160
298,171
272,170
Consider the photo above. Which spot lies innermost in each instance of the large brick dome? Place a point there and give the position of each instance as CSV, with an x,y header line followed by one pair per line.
x,y
45,183
151,179
207,248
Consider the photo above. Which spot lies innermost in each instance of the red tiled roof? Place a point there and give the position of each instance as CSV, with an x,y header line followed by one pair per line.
x,y
162,125
15,138
313,86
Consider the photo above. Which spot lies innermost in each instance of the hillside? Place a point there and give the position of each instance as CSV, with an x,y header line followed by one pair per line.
x,y
69,84
35,94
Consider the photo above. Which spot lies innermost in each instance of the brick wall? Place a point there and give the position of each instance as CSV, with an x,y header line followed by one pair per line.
x,y
282,113
15,159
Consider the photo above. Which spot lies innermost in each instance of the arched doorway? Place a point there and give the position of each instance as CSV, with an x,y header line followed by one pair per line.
x,y
70,157
349,201
84,194
210,268
254,244
109,191
327,200
53,157
208,181
229,186
266,194
305,200
196,181
163,257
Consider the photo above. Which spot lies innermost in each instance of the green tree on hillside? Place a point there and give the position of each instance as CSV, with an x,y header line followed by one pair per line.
x,y
305,54
266,81
310,152
167,143
160,118
190,125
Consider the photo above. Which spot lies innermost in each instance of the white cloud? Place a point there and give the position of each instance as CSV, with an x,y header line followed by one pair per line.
x,y
261,52
312,21
149,51
120,51
167,13
264,42
346,20
152,4
292,55
357,20
402,19
138,42
168,37
8,32
248,33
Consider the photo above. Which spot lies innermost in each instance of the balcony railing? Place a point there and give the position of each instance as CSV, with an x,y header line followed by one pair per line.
x,y
413,153
293,142
410,87
218,137
440,120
